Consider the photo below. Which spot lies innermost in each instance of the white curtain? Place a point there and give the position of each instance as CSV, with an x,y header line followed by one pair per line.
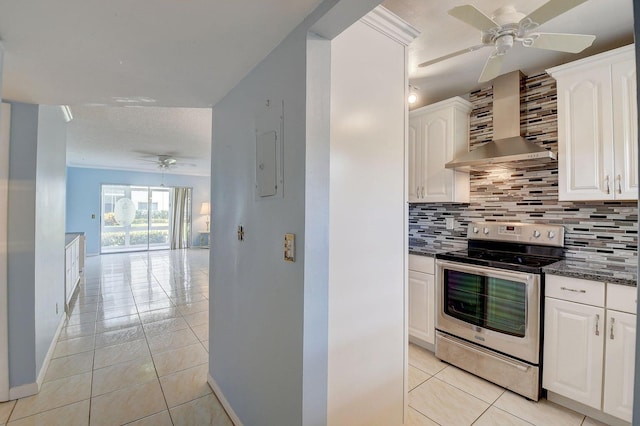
x,y
180,218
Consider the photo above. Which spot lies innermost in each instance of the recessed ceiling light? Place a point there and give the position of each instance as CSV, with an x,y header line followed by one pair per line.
x,y
413,95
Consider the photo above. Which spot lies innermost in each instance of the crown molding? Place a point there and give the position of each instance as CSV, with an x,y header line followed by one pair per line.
x,y
390,24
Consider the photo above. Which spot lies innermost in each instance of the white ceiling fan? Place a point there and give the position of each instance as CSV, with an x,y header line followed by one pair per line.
x,y
166,161
508,26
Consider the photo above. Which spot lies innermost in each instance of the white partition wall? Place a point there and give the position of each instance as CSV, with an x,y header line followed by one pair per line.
x,y
368,223
5,120
320,340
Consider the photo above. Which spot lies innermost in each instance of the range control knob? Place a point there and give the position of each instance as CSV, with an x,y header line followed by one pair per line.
x,y
486,231
536,234
551,235
475,229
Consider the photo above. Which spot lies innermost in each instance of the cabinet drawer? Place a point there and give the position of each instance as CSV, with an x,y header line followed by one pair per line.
x,y
575,290
622,298
424,264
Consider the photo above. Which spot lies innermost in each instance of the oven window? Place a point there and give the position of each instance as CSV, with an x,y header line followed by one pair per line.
x,y
491,303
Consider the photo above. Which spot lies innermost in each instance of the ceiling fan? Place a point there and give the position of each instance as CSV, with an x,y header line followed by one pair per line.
x,y
508,26
166,161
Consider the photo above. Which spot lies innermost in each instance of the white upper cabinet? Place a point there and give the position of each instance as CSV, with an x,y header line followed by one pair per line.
x,y
597,127
437,133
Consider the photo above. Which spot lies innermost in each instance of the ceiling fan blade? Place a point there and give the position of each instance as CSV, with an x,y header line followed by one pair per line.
x,y
452,55
548,11
472,16
491,68
572,43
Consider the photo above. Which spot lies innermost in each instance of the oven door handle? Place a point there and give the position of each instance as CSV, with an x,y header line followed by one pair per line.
x,y
497,357
484,271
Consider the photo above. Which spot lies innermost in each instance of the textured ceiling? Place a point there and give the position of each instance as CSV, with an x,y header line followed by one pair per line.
x,y
133,138
176,53
190,53
142,53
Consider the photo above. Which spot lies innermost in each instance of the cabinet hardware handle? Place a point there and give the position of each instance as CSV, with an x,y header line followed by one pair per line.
x,y
619,184
423,192
573,290
606,179
613,321
597,323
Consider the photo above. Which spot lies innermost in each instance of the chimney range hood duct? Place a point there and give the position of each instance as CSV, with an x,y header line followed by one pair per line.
x,y
508,146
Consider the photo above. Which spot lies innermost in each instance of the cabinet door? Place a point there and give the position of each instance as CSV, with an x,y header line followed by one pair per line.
x,y
415,165
74,263
422,306
436,135
68,265
573,351
625,129
585,135
619,364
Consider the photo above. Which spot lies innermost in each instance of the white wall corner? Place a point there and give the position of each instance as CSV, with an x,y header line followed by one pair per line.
x,y
225,404
390,24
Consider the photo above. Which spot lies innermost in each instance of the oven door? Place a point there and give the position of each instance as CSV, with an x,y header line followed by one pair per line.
x,y
495,308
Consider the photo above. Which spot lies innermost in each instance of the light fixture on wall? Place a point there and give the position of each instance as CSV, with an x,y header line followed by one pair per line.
x,y
413,95
205,210
66,113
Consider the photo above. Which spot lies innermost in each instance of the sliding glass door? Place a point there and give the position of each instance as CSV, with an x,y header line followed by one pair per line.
x,y
135,218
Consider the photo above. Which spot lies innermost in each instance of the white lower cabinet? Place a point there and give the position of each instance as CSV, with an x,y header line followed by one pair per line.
x,y
72,269
573,353
589,343
422,298
619,364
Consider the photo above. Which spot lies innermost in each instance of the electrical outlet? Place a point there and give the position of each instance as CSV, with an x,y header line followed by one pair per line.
x,y
289,247
450,222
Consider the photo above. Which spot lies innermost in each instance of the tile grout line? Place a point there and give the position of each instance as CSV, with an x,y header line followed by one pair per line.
x,y
153,361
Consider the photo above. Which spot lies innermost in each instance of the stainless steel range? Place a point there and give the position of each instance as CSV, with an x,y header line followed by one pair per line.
x,y
488,319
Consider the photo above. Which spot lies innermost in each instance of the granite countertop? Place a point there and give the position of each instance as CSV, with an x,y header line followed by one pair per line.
x,y
432,249
625,274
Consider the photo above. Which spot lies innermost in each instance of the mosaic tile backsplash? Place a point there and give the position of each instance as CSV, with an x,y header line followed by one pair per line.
x,y
595,231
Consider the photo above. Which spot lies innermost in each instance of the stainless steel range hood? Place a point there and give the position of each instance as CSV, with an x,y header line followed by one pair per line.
x,y
508,146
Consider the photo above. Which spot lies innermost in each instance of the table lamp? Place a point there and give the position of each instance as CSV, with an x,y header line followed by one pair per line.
x,y
205,210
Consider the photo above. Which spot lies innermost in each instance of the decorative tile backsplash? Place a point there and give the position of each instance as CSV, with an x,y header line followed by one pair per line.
x,y
598,231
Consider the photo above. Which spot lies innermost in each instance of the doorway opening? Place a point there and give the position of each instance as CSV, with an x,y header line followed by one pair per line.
x,y
142,218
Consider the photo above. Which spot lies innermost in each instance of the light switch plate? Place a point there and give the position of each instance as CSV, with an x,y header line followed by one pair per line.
x,y
289,247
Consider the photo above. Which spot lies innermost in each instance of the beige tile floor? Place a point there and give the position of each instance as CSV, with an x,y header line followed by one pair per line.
x,y
134,349
441,394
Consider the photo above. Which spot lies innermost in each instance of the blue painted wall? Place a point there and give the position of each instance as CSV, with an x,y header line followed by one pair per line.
x,y
36,213
83,198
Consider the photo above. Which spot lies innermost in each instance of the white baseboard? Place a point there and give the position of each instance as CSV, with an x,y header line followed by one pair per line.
x,y
23,391
225,404
29,389
52,347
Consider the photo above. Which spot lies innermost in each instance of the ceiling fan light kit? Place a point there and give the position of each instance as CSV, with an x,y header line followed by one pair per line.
x,y
508,26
